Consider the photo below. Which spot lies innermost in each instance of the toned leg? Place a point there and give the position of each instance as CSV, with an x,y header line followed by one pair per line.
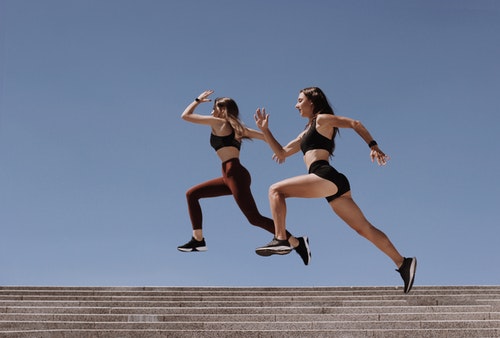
x,y
345,207
238,180
211,188
305,186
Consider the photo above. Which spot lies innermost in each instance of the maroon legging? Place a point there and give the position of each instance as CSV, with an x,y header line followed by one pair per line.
x,y
235,181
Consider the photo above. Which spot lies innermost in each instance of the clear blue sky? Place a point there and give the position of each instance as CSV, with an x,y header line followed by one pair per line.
x,y
95,160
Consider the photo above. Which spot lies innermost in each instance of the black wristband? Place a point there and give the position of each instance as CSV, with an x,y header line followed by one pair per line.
x,y
197,100
372,143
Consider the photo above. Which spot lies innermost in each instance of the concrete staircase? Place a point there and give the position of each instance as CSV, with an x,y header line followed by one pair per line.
x,y
441,311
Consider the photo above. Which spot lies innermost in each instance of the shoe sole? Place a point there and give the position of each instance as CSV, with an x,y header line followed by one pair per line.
x,y
263,253
198,249
275,251
413,269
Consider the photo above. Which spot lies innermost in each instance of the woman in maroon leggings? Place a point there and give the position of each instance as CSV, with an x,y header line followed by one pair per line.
x,y
227,134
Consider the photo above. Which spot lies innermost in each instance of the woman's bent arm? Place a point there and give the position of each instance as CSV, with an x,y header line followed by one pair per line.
x,y
189,115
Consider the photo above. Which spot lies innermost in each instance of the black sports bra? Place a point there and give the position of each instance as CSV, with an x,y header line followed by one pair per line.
x,y
218,142
314,140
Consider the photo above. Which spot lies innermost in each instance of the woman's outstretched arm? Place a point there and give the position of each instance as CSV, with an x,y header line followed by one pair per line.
x,y
330,121
280,152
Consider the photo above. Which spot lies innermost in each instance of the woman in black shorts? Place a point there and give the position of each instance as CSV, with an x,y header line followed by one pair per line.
x,y
317,144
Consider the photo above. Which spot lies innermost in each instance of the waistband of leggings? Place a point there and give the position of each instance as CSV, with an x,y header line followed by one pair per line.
x,y
234,160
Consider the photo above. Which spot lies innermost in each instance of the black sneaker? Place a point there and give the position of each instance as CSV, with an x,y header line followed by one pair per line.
x,y
275,247
193,245
407,272
303,249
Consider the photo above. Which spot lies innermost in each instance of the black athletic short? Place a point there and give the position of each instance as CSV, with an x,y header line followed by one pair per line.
x,y
324,170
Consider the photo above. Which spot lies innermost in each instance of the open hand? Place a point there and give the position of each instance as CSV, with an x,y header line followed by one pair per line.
x,y
261,119
203,97
278,160
377,154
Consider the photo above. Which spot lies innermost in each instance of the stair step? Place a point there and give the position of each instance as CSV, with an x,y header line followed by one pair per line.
x,y
428,311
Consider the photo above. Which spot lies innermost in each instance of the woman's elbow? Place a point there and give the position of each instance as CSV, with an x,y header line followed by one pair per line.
x,y
356,125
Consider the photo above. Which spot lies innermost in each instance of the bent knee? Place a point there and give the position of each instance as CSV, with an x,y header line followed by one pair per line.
x,y
192,194
275,192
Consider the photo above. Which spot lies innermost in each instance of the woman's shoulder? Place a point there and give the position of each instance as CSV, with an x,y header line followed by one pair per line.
x,y
221,127
321,118
326,120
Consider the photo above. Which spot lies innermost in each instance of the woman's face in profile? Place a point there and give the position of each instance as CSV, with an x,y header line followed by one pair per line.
x,y
217,111
304,106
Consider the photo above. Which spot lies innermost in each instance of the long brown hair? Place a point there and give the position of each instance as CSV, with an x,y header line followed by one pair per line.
x,y
232,115
321,106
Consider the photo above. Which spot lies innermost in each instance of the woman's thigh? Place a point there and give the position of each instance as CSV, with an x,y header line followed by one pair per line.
x,y
305,186
212,188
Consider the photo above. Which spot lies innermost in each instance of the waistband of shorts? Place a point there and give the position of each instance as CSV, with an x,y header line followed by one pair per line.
x,y
317,164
